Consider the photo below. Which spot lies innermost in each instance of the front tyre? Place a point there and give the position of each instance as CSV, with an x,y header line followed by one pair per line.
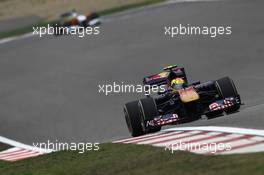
x,y
226,88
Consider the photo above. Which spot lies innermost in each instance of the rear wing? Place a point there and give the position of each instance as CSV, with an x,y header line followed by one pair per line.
x,y
162,78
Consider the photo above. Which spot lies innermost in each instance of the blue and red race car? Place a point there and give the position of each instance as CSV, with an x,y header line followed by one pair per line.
x,y
180,102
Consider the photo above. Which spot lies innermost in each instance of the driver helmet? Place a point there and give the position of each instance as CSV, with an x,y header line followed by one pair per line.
x,y
178,83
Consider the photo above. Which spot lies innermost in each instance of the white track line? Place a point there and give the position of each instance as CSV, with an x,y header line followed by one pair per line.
x,y
201,138
238,139
172,137
20,151
220,129
6,40
158,137
21,145
21,155
139,137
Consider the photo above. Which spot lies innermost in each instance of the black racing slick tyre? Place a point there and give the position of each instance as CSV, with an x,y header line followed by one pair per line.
x,y
133,119
226,88
148,110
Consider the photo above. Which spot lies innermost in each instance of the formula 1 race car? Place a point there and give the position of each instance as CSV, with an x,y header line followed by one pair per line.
x,y
180,102
72,19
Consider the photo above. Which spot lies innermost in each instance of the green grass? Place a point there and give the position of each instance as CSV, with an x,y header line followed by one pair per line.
x,y
28,29
121,159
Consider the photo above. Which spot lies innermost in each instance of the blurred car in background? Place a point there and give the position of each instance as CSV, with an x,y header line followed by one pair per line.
x,y
73,19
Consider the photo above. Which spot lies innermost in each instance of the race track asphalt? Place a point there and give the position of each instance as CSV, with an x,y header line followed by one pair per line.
x,y
49,86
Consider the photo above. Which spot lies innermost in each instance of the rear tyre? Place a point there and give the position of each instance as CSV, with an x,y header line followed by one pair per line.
x,y
133,119
148,110
226,88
